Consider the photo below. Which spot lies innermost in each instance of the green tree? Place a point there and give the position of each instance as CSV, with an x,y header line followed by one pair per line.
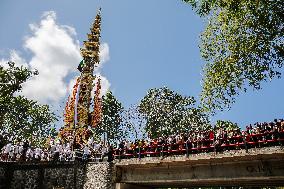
x,y
110,126
11,80
242,45
168,112
134,123
20,117
227,125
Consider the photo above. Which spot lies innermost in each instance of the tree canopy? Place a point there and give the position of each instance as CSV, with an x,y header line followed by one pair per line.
x,y
11,80
134,122
21,118
168,112
242,45
226,125
110,126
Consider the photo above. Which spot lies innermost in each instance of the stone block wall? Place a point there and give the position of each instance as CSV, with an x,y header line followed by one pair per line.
x,y
2,177
99,176
25,179
42,175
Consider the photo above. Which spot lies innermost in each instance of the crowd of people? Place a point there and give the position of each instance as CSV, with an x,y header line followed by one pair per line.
x,y
55,151
213,140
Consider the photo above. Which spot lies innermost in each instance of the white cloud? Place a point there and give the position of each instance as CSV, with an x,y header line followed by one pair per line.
x,y
14,57
19,61
56,55
104,52
105,85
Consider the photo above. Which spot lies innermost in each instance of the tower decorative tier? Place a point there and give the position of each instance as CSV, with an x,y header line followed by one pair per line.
x,y
78,119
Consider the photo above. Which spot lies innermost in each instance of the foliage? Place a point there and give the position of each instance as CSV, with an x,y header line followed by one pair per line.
x,y
110,126
11,80
202,7
27,120
20,117
243,45
134,122
227,125
168,112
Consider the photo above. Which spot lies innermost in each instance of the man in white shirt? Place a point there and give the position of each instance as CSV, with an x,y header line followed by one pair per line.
x,y
29,154
17,151
7,149
86,152
68,152
37,154
11,153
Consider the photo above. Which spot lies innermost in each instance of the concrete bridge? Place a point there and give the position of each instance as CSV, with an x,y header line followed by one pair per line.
x,y
257,167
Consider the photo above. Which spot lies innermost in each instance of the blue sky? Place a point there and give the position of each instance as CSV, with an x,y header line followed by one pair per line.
x,y
149,44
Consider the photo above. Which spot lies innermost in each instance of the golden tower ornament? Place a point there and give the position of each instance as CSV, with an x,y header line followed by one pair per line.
x,y
77,115
91,58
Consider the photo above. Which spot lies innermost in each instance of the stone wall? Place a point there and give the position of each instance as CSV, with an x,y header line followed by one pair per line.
x,y
99,175
2,176
41,175
51,175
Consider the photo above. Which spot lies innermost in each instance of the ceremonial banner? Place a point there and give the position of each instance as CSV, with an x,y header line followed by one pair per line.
x,y
76,104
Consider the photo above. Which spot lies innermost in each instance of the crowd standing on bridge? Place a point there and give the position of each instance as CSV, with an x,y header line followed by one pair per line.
x,y
214,140
55,151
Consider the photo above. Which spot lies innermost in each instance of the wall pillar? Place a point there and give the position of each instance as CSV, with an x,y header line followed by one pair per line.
x,y
99,175
130,186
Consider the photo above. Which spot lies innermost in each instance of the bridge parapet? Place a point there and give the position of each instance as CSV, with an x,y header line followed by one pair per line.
x,y
256,167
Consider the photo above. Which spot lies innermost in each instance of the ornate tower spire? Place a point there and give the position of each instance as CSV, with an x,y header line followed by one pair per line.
x,y
90,53
77,116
